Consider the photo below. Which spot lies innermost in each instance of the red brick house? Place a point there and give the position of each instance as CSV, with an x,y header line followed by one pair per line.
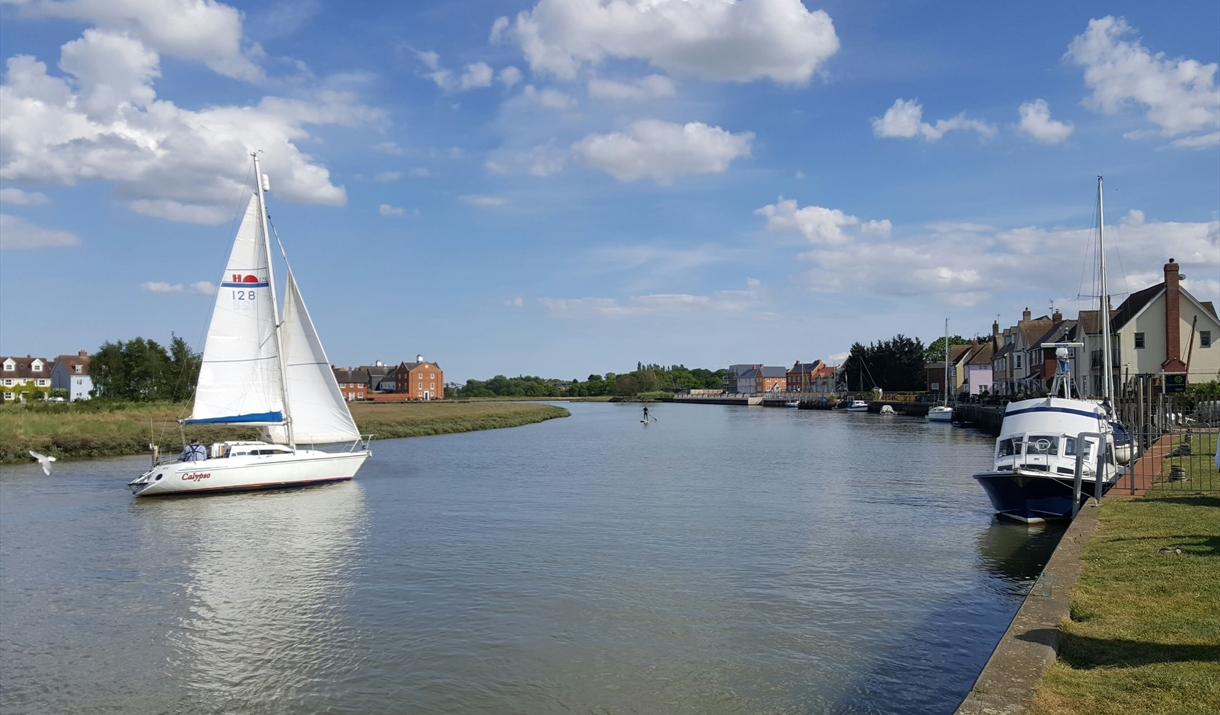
x,y
801,376
419,380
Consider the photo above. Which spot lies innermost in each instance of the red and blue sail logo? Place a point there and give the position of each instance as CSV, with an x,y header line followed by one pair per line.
x,y
247,280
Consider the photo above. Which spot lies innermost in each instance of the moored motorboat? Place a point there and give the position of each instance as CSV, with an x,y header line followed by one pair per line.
x,y
261,371
857,406
940,413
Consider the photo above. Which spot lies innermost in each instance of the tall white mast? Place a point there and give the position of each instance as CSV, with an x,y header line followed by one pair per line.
x,y
1107,368
947,381
275,310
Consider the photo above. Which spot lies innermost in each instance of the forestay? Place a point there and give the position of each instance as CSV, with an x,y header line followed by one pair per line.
x,y
240,379
319,414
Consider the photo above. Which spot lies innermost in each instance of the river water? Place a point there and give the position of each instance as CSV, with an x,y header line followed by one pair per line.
x,y
717,560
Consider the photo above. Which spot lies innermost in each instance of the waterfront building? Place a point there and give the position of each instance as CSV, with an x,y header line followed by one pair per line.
x,y
736,381
801,377
71,373
419,380
1161,329
825,380
25,378
353,383
977,370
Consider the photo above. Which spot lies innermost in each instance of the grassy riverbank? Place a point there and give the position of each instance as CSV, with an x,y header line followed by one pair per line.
x,y
1144,632
77,432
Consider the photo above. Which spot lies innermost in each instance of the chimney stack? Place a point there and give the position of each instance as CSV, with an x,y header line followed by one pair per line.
x,y
83,353
1173,321
995,332
1057,317
1026,315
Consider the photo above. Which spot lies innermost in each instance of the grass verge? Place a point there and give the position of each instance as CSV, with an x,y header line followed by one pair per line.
x,y
1144,631
72,432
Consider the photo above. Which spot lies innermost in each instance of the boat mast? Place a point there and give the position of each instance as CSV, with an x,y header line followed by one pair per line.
x,y
1107,377
275,310
946,362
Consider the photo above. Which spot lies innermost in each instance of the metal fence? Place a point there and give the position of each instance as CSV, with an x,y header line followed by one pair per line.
x,y
1173,440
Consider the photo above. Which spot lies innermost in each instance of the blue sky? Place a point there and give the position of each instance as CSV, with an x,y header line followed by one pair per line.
x,y
586,184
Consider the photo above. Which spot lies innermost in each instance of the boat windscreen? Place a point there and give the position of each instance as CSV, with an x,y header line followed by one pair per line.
x,y
1009,447
1043,444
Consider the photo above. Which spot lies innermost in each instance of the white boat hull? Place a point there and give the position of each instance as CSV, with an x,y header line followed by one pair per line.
x,y
940,414
247,472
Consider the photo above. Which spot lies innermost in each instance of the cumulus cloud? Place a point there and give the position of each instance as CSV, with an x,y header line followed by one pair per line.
x,y
1181,96
197,288
388,210
202,30
650,87
17,233
476,76
726,301
820,226
966,264
17,197
542,160
549,98
484,201
104,121
662,151
905,120
1202,141
711,39
1036,122
509,76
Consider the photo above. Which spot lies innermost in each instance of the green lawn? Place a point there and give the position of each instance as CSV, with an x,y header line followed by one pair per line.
x,y
83,431
1144,632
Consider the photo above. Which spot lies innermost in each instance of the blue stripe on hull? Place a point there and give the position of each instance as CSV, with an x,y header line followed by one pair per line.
x,y
1027,498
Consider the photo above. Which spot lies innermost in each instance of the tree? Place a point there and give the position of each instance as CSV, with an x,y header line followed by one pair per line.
x,y
935,352
895,365
142,370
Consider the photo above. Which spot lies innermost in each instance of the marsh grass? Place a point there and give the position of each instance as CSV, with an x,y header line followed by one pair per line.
x,y
1144,631
82,431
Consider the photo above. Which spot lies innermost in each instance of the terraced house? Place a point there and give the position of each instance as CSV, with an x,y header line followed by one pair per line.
x,y
419,380
25,378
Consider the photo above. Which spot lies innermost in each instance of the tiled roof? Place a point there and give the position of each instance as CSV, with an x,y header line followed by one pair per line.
x,y
24,369
982,356
770,371
1003,351
806,367
71,361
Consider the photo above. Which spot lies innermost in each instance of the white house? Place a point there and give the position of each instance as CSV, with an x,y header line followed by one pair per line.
x,y
22,378
71,373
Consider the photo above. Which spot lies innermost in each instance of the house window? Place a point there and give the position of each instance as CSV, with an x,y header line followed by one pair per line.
x,y
78,368
8,395
1205,338
1018,362
8,382
433,376
37,367
1139,341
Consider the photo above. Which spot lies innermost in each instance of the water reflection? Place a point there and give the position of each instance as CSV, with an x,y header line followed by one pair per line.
x,y
1016,552
268,576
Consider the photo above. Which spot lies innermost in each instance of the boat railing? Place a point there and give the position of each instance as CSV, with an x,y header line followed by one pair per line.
x,y
1078,477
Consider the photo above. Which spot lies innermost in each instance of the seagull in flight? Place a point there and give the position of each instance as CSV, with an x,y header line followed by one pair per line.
x,y
44,460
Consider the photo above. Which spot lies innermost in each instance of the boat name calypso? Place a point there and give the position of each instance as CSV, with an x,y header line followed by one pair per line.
x,y
196,476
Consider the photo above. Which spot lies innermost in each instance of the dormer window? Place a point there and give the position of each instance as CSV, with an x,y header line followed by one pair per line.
x,y
36,366
9,366
78,369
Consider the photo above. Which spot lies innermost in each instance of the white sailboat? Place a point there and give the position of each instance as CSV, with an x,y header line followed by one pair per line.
x,y
259,371
943,412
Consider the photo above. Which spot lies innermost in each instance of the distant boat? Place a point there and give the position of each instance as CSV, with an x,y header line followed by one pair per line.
x,y
887,410
261,371
792,403
857,406
943,412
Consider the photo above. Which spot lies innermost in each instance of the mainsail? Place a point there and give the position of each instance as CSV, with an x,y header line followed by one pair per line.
x,y
319,414
240,379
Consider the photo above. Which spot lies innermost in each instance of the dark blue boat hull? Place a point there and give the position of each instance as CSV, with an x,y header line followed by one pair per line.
x,y
1031,499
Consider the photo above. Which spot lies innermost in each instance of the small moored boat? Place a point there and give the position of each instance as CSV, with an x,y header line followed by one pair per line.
x,y
857,406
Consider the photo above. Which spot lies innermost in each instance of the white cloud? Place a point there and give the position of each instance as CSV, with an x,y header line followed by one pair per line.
x,y
510,76
1037,123
712,39
389,148
1182,96
662,261
477,75
542,160
515,302
184,165
726,301
549,98
905,119
650,87
202,30
1202,141
18,234
484,201
662,151
820,226
17,197
967,264
386,177
197,288
388,210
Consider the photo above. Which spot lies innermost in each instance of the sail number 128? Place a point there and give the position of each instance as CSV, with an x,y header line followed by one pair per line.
x,y
243,295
